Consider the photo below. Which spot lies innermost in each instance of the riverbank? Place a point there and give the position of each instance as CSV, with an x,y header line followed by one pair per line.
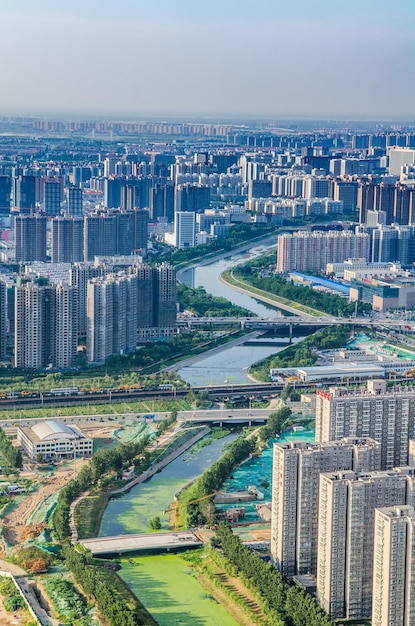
x,y
239,249
204,355
132,512
228,278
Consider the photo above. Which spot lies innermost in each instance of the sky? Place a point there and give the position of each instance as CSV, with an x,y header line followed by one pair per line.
x,y
221,59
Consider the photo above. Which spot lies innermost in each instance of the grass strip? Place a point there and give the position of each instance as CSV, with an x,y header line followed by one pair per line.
x,y
88,514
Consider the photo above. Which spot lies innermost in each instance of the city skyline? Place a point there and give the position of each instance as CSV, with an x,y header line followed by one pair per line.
x,y
226,59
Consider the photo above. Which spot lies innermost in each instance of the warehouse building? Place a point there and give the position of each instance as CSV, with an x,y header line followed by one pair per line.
x,y
54,440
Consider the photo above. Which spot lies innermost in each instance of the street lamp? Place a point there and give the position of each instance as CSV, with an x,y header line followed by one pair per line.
x,y
250,405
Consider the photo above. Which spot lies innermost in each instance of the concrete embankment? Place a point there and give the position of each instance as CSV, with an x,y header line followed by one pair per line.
x,y
139,479
158,466
26,590
271,239
263,298
204,355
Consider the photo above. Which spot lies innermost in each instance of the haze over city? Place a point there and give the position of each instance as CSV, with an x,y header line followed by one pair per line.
x,y
233,59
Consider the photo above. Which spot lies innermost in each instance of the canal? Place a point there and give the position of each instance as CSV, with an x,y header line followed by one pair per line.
x,y
232,364
132,512
164,583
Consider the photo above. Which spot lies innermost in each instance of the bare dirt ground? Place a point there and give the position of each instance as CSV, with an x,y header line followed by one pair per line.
x,y
15,523
17,617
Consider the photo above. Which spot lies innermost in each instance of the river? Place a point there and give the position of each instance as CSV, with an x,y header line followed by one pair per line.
x,y
232,364
207,276
132,512
164,582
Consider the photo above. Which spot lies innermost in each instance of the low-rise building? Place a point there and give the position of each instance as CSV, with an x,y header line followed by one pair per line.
x,y
54,440
384,293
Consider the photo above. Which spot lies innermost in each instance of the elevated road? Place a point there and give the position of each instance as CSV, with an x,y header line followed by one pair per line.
x,y
269,323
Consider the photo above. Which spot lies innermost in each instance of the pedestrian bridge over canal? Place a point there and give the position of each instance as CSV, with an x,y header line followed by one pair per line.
x,y
143,542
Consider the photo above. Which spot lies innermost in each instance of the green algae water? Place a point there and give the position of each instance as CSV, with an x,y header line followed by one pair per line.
x,y
167,588
132,512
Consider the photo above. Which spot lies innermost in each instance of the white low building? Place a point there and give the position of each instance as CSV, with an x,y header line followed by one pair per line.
x,y
54,440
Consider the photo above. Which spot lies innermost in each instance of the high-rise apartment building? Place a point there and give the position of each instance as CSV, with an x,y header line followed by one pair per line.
x,y
165,309
346,519
100,235
129,306
79,275
100,319
295,495
392,203
74,201
194,198
30,238
346,191
45,325
140,238
316,187
112,303
393,602
3,320
112,192
52,197
67,241
25,193
386,415
162,202
184,229
114,233
399,157
304,251
5,194
146,290
65,318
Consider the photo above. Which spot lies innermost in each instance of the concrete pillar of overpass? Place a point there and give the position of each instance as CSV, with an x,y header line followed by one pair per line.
x,y
290,333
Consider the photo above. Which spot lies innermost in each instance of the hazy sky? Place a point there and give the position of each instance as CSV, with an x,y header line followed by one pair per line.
x,y
354,58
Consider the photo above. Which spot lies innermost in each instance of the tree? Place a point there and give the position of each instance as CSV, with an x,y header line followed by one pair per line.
x,y
155,523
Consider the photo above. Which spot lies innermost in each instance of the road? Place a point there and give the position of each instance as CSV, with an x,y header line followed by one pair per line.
x,y
225,415
103,420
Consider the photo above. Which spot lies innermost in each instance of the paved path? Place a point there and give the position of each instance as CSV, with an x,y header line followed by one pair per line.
x,y
25,585
13,569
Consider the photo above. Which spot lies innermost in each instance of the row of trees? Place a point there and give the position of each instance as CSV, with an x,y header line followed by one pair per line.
x,y
12,455
319,300
205,305
237,234
102,462
285,605
110,603
212,479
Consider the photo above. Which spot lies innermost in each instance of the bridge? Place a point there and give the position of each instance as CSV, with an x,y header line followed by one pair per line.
x,y
271,323
309,321
143,542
